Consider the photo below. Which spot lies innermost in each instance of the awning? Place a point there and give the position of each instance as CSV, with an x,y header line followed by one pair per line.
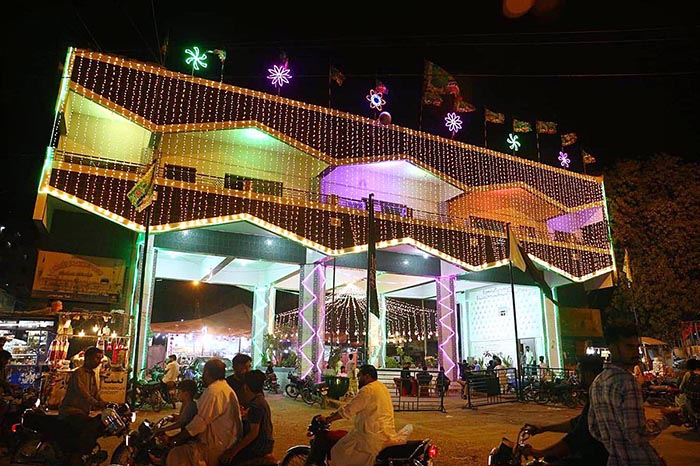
x,y
649,341
236,321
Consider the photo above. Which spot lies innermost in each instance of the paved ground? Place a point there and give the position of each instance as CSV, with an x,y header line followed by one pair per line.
x,y
463,436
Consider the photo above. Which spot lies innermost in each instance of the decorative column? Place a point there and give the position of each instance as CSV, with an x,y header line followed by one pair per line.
x,y
446,325
139,354
312,319
263,321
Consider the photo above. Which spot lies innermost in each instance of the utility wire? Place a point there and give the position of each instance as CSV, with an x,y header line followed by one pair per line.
x,y
131,20
155,26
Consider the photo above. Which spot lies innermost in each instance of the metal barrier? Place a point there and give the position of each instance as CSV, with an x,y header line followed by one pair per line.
x,y
409,395
489,387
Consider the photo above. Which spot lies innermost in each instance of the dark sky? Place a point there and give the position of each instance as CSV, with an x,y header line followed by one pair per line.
x,y
622,74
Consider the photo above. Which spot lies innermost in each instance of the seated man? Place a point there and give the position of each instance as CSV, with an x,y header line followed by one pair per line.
x,y
424,377
689,398
257,441
577,448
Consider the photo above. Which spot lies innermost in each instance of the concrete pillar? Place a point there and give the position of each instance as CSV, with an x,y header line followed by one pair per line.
x,y
263,321
312,319
446,325
377,334
144,319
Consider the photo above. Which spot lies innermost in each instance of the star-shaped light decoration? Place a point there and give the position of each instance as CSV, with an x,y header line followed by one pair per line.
x,y
453,122
196,59
513,142
564,159
376,99
279,75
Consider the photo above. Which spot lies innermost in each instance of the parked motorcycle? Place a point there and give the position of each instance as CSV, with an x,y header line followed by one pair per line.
x,y
16,404
660,393
41,435
508,453
270,384
144,445
315,393
296,385
147,393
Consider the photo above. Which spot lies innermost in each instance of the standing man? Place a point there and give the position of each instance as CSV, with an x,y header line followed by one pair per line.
x,y
528,361
81,397
241,366
216,426
172,372
352,374
373,418
616,417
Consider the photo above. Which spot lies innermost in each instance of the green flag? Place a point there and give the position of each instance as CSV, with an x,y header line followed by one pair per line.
x,y
143,192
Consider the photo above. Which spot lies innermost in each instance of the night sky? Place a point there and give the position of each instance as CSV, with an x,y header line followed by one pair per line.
x,y
621,74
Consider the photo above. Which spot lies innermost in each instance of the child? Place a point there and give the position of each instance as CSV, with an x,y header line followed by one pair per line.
x,y
186,391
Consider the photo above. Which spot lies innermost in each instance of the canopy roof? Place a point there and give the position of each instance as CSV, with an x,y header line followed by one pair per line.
x,y
236,321
652,341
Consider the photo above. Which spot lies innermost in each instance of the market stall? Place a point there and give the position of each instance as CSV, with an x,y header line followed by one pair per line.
x,y
27,338
223,334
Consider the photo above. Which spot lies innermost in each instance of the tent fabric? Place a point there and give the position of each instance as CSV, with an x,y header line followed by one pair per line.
x,y
236,321
652,341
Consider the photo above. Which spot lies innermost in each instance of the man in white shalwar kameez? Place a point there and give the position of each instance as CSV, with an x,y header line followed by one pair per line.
x,y
217,425
373,430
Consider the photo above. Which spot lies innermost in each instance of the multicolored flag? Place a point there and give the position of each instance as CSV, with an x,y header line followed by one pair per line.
x,y
568,139
521,126
587,158
494,117
143,192
336,76
440,86
519,259
546,127
381,88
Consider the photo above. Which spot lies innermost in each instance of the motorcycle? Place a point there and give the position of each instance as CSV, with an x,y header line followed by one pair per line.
x,y
295,386
411,453
144,445
40,435
660,392
315,393
147,393
270,384
16,403
508,453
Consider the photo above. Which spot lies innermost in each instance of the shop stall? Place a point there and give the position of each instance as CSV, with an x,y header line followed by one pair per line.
x,y
223,334
27,337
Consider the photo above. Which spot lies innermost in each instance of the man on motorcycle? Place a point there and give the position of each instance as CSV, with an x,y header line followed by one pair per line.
x,y
241,365
216,426
577,448
258,440
169,380
81,396
373,416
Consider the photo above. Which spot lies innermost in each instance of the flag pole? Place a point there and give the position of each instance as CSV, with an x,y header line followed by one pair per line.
x,y
329,83
537,139
371,269
515,317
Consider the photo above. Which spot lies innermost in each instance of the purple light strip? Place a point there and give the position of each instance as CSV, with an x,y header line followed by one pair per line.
x,y
303,320
321,324
447,339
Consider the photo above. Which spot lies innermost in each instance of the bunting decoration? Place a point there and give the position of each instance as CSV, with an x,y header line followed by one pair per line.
x,y
546,127
568,139
521,126
440,87
336,76
494,117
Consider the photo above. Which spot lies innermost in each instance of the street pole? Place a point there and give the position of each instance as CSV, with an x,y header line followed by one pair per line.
x,y
371,270
139,316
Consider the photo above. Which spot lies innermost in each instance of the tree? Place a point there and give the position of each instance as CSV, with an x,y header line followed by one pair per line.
x,y
654,208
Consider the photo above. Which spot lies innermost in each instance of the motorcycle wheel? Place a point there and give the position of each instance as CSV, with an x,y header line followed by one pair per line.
x,y
294,459
541,397
156,401
32,450
291,391
307,397
122,456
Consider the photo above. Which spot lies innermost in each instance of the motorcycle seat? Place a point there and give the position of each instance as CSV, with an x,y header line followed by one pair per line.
x,y
319,385
404,450
40,422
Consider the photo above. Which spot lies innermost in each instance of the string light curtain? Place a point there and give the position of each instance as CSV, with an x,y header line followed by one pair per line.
x,y
303,171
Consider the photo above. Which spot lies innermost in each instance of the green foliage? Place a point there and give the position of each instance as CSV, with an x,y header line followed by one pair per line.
x,y
392,363
334,356
289,359
654,212
430,361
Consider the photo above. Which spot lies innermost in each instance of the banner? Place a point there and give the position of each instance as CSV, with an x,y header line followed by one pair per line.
x,y
521,126
143,192
546,127
78,278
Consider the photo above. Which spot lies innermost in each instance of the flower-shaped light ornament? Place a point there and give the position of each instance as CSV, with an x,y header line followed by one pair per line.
x,y
279,75
376,99
564,159
196,59
453,122
513,142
